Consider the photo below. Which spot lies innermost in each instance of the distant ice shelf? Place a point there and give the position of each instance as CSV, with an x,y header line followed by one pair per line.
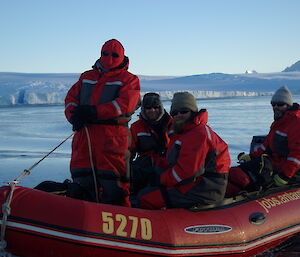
x,y
30,89
31,98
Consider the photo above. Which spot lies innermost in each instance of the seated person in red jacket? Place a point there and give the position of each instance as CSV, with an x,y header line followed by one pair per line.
x,y
197,161
281,146
149,140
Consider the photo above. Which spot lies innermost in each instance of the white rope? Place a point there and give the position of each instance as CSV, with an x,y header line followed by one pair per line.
x,y
6,206
92,163
6,213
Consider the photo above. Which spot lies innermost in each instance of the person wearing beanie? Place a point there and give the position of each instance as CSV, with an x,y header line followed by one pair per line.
x,y
281,101
149,140
99,106
197,161
281,145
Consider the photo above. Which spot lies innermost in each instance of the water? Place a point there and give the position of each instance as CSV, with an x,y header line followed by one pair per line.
x,y
30,132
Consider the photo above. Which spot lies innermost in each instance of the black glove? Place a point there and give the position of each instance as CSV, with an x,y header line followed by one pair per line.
x,y
77,123
82,115
86,113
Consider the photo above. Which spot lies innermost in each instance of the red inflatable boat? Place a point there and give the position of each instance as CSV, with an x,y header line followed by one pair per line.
x,y
41,224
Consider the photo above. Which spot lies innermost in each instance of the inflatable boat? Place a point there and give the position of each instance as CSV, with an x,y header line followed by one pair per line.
x,y
48,225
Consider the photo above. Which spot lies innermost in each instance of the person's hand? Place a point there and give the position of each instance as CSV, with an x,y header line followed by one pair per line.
x,y
242,157
279,181
77,123
86,113
82,115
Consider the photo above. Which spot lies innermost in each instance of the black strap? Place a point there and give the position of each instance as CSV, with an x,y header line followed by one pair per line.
x,y
216,175
110,122
112,176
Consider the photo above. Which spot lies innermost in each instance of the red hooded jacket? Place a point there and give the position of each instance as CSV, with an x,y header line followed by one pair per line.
x,y
145,141
283,143
194,154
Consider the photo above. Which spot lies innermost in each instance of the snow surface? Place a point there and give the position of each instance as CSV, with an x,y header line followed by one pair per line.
x,y
24,88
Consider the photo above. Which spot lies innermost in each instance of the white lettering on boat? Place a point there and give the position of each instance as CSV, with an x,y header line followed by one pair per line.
x,y
208,229
124,226
271,202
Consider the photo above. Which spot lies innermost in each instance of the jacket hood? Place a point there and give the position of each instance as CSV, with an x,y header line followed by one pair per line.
x,y
112,54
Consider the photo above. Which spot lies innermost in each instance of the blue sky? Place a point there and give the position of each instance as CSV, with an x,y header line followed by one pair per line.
x,y
161,37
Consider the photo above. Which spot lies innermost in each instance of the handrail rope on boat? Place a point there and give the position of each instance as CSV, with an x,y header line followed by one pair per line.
x,y
6,206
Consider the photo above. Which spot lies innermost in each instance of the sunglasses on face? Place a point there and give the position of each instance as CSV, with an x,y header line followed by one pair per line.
x,y
150,107
174,113
113,54
278,104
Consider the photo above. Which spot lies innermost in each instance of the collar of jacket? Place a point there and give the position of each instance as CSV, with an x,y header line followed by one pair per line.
x,y
144,117
200,118
123,66
164,120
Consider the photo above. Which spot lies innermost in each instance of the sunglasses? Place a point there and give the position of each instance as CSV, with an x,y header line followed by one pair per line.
x,y
150,107
114,55
278,104
174,113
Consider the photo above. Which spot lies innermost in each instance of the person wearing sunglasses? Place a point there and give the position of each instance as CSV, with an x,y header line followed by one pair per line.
x,y
99,106
197,161
149,140
281,146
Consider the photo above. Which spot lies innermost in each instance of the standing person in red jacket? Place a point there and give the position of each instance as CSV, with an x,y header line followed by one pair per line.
x,y
197,161
99,107
282,145
149,140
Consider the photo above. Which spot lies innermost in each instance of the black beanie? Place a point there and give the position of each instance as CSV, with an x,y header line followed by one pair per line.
x,y
150,100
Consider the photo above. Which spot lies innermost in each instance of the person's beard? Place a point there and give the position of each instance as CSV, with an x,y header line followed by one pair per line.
x,y
278,114
178,126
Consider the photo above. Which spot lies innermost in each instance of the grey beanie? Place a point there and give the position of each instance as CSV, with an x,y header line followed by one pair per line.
x,y
283,95
183,100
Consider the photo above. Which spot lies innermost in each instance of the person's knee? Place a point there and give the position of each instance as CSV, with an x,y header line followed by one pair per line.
x,y
238,181
239,177
150,198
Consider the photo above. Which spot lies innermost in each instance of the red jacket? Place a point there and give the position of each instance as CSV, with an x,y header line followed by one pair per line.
x,y
146,141
283,143
115,95
124,102
195,153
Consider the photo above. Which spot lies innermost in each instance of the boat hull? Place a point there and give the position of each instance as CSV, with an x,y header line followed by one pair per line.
x,y
43,224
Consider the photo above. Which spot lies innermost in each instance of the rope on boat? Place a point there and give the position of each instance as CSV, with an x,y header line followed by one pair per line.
x,y
6,206
92,163
6,213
